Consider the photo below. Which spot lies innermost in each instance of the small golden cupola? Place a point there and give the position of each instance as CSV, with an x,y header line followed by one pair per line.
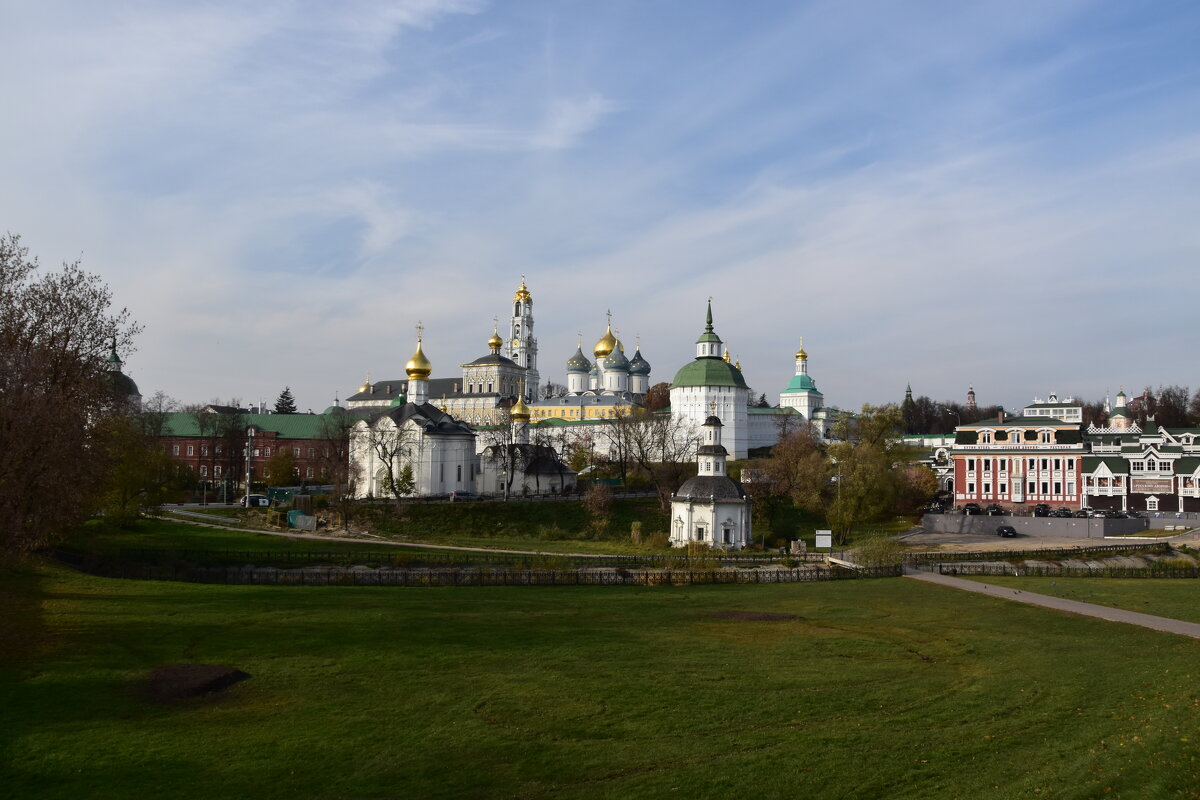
x,y
366,387
418,367
800,354
520,411
725,356
495,342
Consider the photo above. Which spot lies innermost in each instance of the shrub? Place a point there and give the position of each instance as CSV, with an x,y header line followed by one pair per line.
x,y
878,551
659,540
635,532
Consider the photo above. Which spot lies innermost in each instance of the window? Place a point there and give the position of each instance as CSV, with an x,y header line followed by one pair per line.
x,y
1002,466
700,533
295,472
308,473
1152,504
1045,487
218,449
1070,465
1058,463
296,452
1046,437
175,450
1138,466
985,437
267,452
970,465
203,471
1004,488
970,488
1151,465
1032,488
1045,463
312,451
204,450
217,471
1057,487
1032,463
190,450
459,478
257,452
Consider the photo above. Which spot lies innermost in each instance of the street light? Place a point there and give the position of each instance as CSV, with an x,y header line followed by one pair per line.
x,y
249,445
957,417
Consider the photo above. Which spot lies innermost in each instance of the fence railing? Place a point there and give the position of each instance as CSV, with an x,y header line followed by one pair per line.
x,y
404,557
1051,571
457,576
917,559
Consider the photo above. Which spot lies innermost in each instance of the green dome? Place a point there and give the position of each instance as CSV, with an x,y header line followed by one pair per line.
x,y
398,400
616,361
709,371
801,383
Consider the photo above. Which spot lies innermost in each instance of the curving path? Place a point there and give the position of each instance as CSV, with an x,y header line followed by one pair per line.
x,y
1166,624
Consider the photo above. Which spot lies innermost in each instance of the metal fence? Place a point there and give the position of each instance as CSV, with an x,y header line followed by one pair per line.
x,y
464,576
917,559
1051,571
404,557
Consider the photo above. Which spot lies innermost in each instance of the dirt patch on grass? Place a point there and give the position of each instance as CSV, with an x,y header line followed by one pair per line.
x,y
180,681
751,616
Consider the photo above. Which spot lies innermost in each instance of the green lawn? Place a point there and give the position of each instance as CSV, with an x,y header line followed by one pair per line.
x,y
1164,597
876,688
165,534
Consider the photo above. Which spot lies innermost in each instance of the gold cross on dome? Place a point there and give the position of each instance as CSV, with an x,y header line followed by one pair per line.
x,y
420,330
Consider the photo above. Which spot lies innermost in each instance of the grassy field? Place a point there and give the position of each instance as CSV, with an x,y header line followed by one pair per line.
x,y
1178,599
874,688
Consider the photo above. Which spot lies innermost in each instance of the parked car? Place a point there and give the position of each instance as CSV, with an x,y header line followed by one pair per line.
x,y
1041,510
971,509
256,500
1083,512
1007,531
994,510
934,508
1063,513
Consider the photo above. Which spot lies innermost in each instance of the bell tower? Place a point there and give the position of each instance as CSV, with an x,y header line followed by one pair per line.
x,y
521,346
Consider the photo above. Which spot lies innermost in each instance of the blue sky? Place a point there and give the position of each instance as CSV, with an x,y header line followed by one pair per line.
x,y
949,194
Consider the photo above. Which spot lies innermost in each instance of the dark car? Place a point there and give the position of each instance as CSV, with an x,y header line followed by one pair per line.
x,y
934,508
971,509
1007,531
1083,512
1041,510
1063,513
994,510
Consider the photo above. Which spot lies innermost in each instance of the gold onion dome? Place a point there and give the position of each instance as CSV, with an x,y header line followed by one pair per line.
x,y
418,367
520,410
606,345
494,341
800,354
522,291
725,357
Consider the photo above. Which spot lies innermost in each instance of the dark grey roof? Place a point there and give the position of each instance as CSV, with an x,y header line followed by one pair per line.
x,y
712,450
494,358
707,487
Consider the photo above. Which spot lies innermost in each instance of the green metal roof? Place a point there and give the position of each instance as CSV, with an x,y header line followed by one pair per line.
x,y
1116,465
709,371
801,383
285,426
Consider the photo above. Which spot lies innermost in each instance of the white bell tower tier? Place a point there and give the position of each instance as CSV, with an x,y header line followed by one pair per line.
x,y
521,346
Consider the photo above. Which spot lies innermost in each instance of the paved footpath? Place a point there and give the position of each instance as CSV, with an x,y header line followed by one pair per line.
x,y
1180,627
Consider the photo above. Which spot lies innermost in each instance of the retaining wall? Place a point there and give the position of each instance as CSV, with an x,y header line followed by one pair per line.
x,y
1037,526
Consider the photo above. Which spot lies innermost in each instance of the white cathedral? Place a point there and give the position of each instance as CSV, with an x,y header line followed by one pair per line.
x,y
435,427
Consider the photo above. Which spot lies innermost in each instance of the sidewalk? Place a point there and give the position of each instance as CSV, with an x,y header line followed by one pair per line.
x,y
1176,626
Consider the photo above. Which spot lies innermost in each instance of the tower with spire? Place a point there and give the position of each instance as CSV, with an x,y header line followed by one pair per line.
x,y
521,346
711,508
801,392
710,386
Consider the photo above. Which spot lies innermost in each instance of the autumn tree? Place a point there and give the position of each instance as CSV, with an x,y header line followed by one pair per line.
x,y
280,469
662,445
55,331
658,397
863,454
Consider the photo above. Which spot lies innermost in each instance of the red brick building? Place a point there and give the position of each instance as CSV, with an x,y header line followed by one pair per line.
x,y
1019,462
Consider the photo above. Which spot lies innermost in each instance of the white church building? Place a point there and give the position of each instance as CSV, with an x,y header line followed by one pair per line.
x,y
711,508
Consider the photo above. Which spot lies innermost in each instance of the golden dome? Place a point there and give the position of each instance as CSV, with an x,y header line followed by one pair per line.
x,y
738,364
522,292
418,367
725,357
606,345
495,342
520,410
800,354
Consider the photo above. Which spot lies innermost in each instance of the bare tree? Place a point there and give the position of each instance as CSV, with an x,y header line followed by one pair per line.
x,y
55,330
391,442
662,445
499,448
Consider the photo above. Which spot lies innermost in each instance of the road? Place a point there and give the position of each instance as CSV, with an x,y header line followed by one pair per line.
x,y
1166,624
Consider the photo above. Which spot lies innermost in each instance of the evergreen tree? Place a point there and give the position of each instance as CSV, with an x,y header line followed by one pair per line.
x,y
286,404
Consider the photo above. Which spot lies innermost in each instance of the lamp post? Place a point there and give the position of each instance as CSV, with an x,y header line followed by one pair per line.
x,y
249,446
957,416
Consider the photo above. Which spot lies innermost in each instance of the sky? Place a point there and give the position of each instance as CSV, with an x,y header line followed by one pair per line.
x,y
991,194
